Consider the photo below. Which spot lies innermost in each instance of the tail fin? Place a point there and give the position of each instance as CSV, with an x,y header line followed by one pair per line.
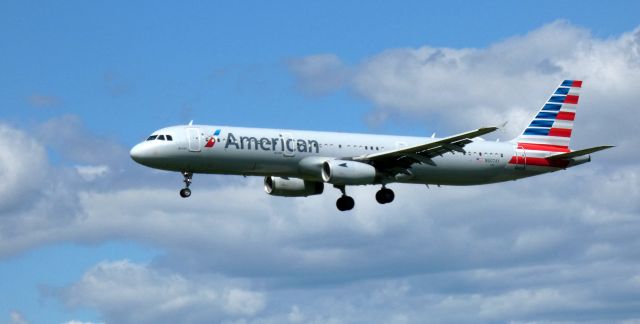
x,y
550,129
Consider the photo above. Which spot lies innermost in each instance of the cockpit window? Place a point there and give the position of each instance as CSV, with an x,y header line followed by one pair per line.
x,y
160,138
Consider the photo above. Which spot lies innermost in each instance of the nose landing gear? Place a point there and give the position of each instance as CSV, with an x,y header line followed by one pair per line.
x,y
186,192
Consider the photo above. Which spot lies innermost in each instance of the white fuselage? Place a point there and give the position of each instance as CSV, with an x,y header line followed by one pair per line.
x,y
297,163
300,154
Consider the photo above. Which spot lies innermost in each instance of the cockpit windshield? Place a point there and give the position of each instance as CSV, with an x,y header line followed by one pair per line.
x,y
160,138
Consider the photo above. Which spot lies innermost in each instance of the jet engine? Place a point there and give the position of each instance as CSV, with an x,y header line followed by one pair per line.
x,y
291,187
341,172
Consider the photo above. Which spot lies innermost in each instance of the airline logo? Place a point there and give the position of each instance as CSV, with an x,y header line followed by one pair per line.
x,y
276,144
211,141
557,115
550,130
553,124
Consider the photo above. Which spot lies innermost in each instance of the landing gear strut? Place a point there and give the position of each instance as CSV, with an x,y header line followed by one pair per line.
x,y
345,202
186,192
385,195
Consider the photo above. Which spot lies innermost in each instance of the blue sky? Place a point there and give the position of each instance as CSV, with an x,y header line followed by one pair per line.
x,y
84,81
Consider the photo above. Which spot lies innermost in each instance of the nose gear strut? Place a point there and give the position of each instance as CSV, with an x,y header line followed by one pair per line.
x,y
186,192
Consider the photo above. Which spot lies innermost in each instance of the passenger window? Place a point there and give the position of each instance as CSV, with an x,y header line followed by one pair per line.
x,y
161,137
169,138
152,137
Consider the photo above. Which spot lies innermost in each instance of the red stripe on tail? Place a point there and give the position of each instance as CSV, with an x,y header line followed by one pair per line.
x,y
561,132
566,115
544,147
571,99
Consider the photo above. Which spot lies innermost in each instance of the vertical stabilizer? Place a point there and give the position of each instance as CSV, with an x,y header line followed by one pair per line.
x,y
550,129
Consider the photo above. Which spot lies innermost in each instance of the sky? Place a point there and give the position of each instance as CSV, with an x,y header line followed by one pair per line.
x,y
88,236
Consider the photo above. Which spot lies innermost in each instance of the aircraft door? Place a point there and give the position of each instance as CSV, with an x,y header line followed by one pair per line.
x,y
193,134
521,158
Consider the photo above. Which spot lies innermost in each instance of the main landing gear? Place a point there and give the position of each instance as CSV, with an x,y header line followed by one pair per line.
x,y
344,203
186,192
385,195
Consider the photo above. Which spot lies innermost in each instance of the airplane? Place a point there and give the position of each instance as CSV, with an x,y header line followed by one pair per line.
x,y
298,163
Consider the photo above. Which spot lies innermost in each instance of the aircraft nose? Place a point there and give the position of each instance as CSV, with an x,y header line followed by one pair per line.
x,y
138,153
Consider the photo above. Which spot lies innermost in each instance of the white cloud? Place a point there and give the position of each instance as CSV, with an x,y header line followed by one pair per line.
x,y
507,81
319,74
127,292
453,253
16,317
72,140
271,242
23,166
92,172
243,302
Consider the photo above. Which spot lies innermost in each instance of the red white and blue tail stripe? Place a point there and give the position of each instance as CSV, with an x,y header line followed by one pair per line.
x,y
545,142
549,132
550,129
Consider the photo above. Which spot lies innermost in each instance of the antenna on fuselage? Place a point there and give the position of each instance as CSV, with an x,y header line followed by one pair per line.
x,y
191,123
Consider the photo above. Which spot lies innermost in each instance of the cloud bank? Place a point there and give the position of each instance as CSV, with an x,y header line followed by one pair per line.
x,y
506,81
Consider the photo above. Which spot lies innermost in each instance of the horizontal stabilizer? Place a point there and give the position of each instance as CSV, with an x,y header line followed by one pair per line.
x,y
569,155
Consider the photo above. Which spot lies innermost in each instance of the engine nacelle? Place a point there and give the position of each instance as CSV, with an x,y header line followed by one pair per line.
x,y
292,187
342,172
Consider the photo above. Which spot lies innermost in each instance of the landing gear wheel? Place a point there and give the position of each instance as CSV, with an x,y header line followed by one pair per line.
x,y
385,195
185,193
345,203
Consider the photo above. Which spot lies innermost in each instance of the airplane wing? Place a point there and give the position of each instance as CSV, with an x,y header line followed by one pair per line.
x,y
405,156
569,155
